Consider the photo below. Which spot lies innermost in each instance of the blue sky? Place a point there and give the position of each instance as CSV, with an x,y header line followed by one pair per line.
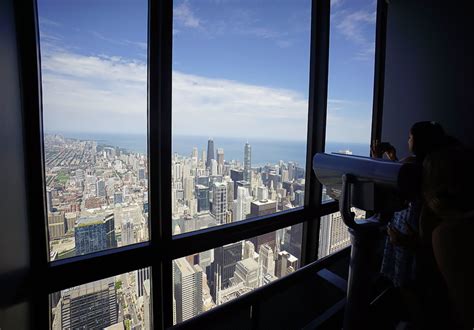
x,y
239,67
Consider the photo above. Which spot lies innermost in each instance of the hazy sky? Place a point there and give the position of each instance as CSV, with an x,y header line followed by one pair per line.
x,y
240,68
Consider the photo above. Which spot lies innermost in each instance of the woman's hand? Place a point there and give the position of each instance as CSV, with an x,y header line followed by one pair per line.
x,y
376,150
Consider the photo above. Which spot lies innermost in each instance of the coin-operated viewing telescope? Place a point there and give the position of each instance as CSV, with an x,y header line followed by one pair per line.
x,y
365,183
375,185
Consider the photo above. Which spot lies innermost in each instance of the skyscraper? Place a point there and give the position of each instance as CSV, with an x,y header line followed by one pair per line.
x,y
262,193
247,162
187,281
236,175
219,202
101,188
142,275
94,233
299,198
210,152
91,305
223,267
127,231
118,197
241,183
242,204
333,234
146,305
293,240
263,207
286,263
266,263
249,250
49,199
246,271
214,167
202,196
220,159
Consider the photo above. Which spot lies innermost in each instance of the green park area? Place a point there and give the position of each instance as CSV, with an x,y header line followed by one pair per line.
x,y
62,177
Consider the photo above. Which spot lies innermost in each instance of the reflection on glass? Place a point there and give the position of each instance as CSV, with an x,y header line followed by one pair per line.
x,y
94,85
118,302
208,279
240,85
334,234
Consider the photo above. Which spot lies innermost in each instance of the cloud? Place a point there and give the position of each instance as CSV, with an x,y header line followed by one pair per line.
x,y
335,3
48,22
121,42
108,94
184,15
358,28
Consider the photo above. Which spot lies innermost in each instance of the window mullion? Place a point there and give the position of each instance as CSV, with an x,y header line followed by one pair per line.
x,y
317,109
159,146
379,69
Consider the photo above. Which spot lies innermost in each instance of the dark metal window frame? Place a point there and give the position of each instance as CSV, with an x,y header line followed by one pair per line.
x,y
47,277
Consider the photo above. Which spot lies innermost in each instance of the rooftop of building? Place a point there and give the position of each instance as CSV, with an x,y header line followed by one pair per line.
x,y
95,219
263,202
249,264
184,267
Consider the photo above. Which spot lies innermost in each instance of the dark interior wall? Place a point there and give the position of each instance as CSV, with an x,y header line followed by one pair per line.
x,y
14,247
429,69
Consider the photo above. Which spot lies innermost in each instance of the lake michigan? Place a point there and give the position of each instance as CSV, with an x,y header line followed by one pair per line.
x,y
263,151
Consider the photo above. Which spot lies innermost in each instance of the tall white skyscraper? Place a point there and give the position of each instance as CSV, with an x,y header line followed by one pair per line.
x,y
187,281
219,202
220,160
262,193
247,162
266,263
195,154
213,167
242,204
188,186
146,305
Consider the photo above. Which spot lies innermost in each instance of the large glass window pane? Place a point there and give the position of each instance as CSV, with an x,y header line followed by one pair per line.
x,y
208,279
118,302
351,77
240,103
94,84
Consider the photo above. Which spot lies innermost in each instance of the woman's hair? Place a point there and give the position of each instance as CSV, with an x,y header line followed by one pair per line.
x,y
448,181
428,136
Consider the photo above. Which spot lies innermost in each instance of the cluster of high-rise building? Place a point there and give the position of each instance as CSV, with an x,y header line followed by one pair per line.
x,y
97,199
96,195
210,190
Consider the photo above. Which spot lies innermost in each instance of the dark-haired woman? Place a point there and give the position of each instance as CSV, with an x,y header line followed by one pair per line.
x,y
399,261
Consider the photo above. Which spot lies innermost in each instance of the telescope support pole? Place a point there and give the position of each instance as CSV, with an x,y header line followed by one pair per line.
x,y
364,266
